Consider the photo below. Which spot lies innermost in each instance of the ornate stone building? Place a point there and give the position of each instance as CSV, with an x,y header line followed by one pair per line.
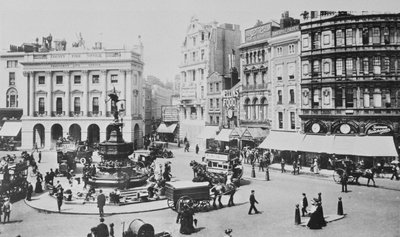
x,y
204,51
64,92
350,75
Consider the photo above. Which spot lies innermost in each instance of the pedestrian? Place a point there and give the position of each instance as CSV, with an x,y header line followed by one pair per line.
x,y
52,175
252,202
294,167
261,164
60,197
6,208
101,202
29,191
40,156
395,172
112,230
197,148
343,181
102,229
304,205
283,165
316,168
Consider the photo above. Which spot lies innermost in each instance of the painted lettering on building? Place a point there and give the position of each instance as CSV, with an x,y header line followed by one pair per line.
x,y
379,129
259,32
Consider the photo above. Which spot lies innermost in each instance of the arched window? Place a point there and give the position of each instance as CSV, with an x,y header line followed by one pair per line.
x,y
247,108
255,109
263,109
12,98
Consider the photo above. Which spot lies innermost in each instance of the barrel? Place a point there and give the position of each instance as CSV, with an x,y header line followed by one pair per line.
x,y
138,228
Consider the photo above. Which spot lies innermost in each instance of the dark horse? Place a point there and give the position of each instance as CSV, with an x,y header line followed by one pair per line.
x,y
221,184
366,173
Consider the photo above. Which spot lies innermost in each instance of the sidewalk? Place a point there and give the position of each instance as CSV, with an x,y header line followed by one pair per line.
x,y
47,203
384,183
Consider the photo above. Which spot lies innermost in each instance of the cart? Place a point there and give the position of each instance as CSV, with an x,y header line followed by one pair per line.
x,y
180,193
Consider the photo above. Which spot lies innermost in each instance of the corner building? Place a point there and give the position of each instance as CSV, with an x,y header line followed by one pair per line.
x,y
204,52
65,92
350,77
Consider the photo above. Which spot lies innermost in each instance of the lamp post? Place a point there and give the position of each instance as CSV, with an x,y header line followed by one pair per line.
x,y
267,173
253,172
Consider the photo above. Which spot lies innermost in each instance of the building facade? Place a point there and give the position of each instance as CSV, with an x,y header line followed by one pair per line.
x,y
350,71
285,78
160,96
204,52
214,103
148,119
64,92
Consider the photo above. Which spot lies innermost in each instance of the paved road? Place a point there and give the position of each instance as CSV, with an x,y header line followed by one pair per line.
x,y
370,211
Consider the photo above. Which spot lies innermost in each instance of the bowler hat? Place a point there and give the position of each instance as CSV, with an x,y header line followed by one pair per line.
x,y
228,231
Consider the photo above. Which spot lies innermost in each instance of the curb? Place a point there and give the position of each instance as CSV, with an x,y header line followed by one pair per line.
x,y
87,213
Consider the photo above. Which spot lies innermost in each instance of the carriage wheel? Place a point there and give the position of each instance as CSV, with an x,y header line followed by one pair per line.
x,y
351,179
165,155
171,204
182,201
83,160
337,174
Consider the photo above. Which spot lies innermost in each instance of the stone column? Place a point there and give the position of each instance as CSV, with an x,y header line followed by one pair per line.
x,y
123,90
31,93
85,99
67,93
128,95
103,80
49,81
198,112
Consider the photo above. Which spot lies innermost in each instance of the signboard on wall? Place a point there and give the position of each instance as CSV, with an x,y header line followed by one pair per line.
x,y
170,114
258,32
188,93
379,129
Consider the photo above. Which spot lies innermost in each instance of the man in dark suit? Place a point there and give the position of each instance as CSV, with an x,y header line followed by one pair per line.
x,y
343,181
252,202
29,192
102,229
101,202
305,205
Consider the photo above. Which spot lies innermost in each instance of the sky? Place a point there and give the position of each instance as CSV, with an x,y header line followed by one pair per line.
x,y
161,24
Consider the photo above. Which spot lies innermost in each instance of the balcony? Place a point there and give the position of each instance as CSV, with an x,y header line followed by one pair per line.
x,y
352,112
39,113
255,87
76,113
94,113
57,113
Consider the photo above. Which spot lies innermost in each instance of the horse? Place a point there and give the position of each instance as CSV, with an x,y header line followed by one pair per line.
x,y
367,173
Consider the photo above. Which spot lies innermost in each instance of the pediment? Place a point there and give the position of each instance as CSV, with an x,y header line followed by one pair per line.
x,y
58,92
76,92
41,92
94,91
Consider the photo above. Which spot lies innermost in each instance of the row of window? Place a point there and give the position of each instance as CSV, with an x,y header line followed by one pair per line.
x,y
260,55
211,87
12,63
214,119
292,120
291,97
290,50
76,79
291,68
353,36
77,105
194,56
212,103
192,74
194,38
346,97
260,75
352,66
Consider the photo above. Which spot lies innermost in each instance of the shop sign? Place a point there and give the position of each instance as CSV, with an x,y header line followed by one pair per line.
x,y
259,32
188,93
379,129
230,93
219,157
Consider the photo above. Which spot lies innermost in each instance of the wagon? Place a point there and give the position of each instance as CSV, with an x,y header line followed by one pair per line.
x,y
159,149
187,192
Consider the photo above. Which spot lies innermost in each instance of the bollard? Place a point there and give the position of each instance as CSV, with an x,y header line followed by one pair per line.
x,y
253,172
340,207
267,174
297,220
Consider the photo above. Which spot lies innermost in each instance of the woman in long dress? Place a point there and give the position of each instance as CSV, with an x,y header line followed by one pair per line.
x,y
317,220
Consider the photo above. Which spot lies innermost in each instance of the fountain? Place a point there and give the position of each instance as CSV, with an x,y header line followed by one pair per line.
x,y
116,169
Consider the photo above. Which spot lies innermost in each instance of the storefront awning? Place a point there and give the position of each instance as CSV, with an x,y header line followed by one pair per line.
x,y
224,135
209,132
237,133
163,128
10,128
258,133
344,145
375,146
281,140
317,144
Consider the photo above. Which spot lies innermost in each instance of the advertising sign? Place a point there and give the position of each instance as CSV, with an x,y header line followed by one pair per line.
x,y
188,93
379,129
259,32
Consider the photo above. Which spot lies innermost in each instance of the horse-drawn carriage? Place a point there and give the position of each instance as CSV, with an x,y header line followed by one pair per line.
x,y
143,158
13,180
159,149
180,193
352,171
80,152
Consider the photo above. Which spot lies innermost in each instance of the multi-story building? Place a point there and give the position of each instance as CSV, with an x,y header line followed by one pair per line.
x,y
255,97
204,52
148,119
214,104
350,80
160,96
285,78
64,92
